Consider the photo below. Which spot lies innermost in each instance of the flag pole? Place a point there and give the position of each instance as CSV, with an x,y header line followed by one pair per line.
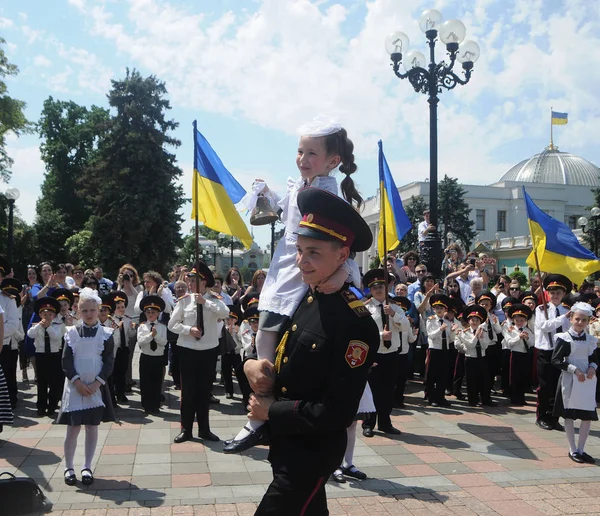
x,y
199,314
551,147
537,266
383,228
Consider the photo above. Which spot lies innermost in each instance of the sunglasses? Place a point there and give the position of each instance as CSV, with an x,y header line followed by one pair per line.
x,y
514,288
420,272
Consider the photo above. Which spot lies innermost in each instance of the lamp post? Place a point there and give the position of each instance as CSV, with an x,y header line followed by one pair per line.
x,y
591,227
12,194
430,79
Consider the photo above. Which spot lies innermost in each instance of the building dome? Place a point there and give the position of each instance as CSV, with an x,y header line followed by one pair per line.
x,y
554,167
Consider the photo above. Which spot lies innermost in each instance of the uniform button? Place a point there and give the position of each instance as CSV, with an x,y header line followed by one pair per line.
x,y
285,360
294,327
314,346
284,390
309,299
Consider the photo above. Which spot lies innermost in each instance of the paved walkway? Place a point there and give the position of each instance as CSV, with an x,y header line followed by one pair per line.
x,y
459,460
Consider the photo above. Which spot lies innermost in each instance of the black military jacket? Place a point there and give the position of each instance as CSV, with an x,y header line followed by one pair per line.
x,y
323,360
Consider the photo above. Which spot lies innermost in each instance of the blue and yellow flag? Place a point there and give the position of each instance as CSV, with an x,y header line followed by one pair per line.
x,y
393,221
559,118
215,191
557,247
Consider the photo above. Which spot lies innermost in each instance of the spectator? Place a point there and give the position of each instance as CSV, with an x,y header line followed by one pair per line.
x,y
234,284
77,276
69,278
414,287
104,284
408,270
425,227
476,287
218,289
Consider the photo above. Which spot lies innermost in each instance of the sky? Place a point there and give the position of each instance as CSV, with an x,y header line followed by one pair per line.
x,y
252,71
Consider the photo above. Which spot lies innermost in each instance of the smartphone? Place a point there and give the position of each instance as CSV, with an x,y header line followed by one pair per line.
x,y
472,261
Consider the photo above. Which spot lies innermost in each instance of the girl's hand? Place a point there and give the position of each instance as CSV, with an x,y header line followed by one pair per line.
x,y
454,327
479,333
580,375
335,282
45,323
591,372
154,332
82,388
524,335
94,386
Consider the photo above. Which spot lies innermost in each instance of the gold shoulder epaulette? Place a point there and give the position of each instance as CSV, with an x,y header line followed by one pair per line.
x,y
355,304
431,317
184,295
216,295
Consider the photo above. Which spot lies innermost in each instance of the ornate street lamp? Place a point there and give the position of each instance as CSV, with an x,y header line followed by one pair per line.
x,y
592,230
430,79
12,194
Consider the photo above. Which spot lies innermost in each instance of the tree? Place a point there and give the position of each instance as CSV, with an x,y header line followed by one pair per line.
x,y
454,213
81,250
519,276
222,239
70,135
414,209
131,183
12,118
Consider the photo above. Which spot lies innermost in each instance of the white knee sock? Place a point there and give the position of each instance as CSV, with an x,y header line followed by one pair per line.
x,y
71,445
91,440
570,431
584,431
349,455
266,344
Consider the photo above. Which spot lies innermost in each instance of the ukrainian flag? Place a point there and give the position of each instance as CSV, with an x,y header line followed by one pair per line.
x,y
215,191
559,118
557,247
393,221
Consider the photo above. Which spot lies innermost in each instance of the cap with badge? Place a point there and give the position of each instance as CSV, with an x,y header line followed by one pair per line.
x,y
404,302
486,295
63,294
119,296
235,313
528,296
558,281
5,267
456,305
520,309
474,311
252,314
376,277
155,302
326,216
440,300
46,303
107,303
508,301
11,286
203,272
250,301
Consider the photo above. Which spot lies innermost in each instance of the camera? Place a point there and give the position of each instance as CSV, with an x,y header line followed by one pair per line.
x,y
126,277
472,261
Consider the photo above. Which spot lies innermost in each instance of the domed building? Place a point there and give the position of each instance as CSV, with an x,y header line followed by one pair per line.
x,y
560,183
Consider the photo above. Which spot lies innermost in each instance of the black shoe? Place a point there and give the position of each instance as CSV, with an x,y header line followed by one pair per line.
x,y
214,400
177,387
558,426
354,472
448,392
87,479
399,404
588,459
70,478
51,412
338,476
368,431
229,395
576,457
444,403
473,404
460,396
41,413
122,399
208,436
542,423
255,438
489,403
390,430
183,437
433,403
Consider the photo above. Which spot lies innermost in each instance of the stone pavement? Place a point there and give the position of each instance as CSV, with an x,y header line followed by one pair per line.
x,y
459,460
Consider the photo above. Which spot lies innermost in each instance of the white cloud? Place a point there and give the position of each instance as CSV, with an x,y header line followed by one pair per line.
x,y
6,23
32,35
41,61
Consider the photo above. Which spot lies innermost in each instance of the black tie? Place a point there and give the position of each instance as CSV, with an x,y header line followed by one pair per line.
x,y
386,343
524,341
153,344
47,348
200,316
559,329
477,346
490,331
578,337
444,337
123,343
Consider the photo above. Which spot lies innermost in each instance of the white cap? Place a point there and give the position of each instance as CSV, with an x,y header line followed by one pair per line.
x,y
321,125
583,308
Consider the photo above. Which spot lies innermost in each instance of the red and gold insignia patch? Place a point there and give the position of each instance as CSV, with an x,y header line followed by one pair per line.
x,y
356,354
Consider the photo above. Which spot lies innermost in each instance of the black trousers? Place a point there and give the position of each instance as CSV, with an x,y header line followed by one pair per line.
x,y
151,375
119,374
401,378
519,377
229,363
458,374
50,381
435,377
300,496
505,372
450,368
8,361
243,383
548,376
175,369
494,361
197,373
382,380
478,380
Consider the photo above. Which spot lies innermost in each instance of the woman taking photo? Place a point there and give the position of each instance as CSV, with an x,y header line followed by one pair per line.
x,y
234,284
34,284
128,281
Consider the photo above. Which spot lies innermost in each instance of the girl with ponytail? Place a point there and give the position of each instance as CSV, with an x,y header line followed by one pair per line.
x,y
324,147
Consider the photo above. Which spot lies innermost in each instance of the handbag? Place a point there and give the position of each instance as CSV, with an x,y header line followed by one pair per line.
x,y
21,496
226,342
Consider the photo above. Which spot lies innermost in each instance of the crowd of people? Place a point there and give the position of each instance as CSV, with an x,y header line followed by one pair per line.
x,y
315,344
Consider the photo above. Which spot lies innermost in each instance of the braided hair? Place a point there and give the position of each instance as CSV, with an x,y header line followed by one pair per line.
x,y
339,143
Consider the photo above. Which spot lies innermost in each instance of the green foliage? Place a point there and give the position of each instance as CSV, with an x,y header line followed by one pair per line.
x,y
25,244
70,135
454,213
12,117
246,274
414,210
81,251
130,183
519,276
374,262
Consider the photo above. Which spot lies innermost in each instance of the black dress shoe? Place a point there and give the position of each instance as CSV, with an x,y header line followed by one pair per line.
x,y
444,403
254,438
390,430
183,436
558,426
588,459
460,396
368,431
214,400
399,404
122,399
576,457
490,404
229,396
208,436
338,476
542,423
354,472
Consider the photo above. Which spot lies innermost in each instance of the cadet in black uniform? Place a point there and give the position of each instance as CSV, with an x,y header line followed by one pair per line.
x,y
321,365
